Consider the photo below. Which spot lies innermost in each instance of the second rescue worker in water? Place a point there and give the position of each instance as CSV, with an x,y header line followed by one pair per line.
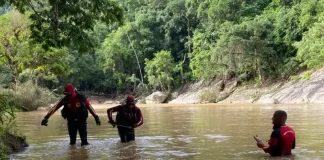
x,y
75,110
282,139
128,117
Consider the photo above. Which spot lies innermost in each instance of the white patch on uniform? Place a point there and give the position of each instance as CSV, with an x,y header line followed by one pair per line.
x,y
78,105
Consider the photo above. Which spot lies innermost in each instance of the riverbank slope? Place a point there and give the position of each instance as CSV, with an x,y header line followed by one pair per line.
x,y
11,143
305,88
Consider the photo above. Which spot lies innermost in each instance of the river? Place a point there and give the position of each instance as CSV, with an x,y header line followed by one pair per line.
x,y
177,132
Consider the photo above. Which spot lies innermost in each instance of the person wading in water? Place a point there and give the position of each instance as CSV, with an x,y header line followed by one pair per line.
x,y
128,117
75,110
282,139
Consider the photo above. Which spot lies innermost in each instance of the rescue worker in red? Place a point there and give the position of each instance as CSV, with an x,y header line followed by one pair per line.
x,y
282,139
128,117
75,110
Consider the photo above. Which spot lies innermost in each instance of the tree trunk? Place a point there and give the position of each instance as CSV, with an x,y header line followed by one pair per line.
x,y
189,50
139,66
258,65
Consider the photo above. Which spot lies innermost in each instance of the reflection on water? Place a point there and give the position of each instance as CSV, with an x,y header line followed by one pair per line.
x,y
178,132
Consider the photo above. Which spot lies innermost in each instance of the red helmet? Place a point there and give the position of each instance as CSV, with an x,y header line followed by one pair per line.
x,y
130,98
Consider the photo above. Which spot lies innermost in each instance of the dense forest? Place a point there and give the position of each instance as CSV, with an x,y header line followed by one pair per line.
x,y
122,46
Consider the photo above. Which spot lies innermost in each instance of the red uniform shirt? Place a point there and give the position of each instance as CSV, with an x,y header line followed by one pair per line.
x,y
73,103
281,142
127,115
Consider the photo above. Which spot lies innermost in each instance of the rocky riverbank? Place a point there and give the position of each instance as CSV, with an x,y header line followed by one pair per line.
x,y
305,88
10,143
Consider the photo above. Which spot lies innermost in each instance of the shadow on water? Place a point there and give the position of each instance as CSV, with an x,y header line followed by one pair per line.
x,y
182,132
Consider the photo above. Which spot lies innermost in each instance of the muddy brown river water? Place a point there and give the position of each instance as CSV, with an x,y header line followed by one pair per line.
x,y
177,132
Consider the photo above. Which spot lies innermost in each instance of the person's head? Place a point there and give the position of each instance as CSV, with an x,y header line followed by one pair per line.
x,y
69,90
279,118
130,99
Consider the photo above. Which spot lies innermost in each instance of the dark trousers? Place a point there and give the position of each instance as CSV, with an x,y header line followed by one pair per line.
x,y
126,134
78,126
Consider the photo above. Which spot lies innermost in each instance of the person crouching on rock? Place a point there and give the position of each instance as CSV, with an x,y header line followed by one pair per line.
x,y
75,110
128,117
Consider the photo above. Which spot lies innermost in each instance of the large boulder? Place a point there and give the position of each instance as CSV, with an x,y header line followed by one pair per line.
x,y
187,94
155,98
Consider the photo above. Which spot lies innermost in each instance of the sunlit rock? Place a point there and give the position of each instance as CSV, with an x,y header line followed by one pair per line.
x,y
156,97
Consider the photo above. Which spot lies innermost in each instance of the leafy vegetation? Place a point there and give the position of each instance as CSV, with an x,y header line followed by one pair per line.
x,y
24,59
159,71
121,46
65,23
7,121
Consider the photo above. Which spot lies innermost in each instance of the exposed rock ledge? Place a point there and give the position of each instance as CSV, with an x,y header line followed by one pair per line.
x,y
12,143
300,91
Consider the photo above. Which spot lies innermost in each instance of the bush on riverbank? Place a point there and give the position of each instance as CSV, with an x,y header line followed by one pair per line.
x,y
28,97
10,140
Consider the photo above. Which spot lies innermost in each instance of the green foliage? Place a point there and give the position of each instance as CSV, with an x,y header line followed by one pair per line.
x,y
307,75
65,23
27,59
5,76
311,47
117,60
7,114
294,77
40,64
3,149
28,97
10,139
7,122
160,70
5,8
255,37
200,57
206,39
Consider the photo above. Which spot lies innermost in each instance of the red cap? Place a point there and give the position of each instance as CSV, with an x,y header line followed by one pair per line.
x,y
130,98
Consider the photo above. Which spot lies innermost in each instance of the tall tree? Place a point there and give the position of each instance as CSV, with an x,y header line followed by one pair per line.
x,y
160,70
59,23
24,57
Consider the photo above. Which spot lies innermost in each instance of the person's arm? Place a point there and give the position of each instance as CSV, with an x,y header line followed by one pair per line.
x,y
272,143
294,144
109,114
110,111
89,107
140,117
92,111
58,105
